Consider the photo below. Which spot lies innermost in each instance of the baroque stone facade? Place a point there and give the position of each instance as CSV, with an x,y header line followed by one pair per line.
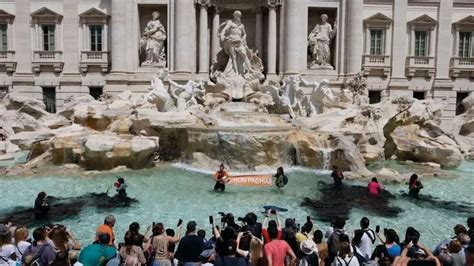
x,y
52,50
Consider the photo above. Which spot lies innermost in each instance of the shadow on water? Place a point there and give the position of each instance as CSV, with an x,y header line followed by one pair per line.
x,y
62,208
427,201
335,203
339,203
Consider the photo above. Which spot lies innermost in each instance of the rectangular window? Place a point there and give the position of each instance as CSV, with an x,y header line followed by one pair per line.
x,y
375,97
49,99
49,37
420,95
376,42
421,43
465,44
95,92
3,37
460,96
96,37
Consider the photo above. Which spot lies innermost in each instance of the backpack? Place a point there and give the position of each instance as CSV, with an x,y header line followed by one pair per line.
x,y
370,235
308,259
344,261
285,180
333,245
361,259
37,260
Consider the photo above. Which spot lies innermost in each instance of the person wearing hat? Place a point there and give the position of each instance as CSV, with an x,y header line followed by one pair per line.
x,y
7,250
309,253
99,253
190,246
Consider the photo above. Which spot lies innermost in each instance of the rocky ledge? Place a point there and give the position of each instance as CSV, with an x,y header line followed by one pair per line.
x,y
101,135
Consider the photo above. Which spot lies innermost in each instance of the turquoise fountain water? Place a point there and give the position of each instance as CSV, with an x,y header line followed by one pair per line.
x,y
170,193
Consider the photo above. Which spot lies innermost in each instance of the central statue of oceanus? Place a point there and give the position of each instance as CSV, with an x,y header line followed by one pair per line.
x,y
236,64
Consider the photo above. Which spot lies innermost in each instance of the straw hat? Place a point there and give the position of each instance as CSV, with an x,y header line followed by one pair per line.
x,y
308,247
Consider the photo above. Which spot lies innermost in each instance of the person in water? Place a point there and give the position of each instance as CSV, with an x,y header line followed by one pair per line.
x,y
280,178
374,187
220,178
414,187
121,188
337,176
41,206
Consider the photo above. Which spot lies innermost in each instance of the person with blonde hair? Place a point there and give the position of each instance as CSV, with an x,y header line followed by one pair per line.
x,y
21,235
345,256
255,253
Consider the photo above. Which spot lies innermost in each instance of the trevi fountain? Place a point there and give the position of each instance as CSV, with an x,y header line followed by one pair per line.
x,y
168,140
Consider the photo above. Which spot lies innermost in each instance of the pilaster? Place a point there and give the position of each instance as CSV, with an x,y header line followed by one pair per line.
x,y
185,37
71,40
23,37
272,39
203,37
294,39
118,31
215,27
398,80
354,38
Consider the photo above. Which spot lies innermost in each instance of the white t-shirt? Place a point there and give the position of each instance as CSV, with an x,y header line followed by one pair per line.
x,y
5,252
348,261
20,249
366,245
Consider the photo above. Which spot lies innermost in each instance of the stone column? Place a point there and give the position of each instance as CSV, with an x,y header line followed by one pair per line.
x,y
272,40
294,39
185,37
215,27
71,33
355,36
399,33
258,30
23,37
119,32
203,38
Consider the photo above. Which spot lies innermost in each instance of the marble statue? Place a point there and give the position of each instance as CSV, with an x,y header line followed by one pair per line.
x,y
235,64
158,95
289,98
187,95
152,43
319,95
319,42
358,87
234,42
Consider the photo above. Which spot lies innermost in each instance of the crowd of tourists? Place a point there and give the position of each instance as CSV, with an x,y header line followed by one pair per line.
x,y
246,241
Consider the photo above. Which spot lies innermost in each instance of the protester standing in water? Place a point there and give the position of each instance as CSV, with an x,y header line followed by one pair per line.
x,y
220,178
337,176
414,187
41,206
280,178
374,187
121,188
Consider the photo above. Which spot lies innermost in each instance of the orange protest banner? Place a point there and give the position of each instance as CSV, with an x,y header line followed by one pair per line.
x,y
251,180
